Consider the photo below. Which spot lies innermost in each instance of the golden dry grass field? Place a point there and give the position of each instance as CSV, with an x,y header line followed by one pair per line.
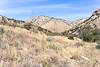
x,y
23,48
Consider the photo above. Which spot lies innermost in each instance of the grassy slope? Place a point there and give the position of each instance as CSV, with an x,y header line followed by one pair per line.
x,y
22,48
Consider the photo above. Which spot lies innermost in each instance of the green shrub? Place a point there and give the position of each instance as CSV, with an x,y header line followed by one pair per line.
x,y
90,35
86,35
98,46
1,30
47,65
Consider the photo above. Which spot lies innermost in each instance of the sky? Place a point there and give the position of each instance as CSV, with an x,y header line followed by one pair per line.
x,y
66,9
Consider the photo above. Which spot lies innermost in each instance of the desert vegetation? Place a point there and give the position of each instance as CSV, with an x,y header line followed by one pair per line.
x,y
45,43
20,47
92,35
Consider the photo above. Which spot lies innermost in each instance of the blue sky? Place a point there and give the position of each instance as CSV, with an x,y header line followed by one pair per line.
x,y
66,9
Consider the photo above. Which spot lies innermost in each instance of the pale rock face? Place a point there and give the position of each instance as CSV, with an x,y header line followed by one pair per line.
x,y
51,23
40,20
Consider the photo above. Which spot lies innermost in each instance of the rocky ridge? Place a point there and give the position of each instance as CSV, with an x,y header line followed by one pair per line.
x,y
93,21
50,23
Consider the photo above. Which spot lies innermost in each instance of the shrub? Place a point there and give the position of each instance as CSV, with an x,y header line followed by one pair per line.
x,y
49,39
98,46
47,65
55,47
71,37
28,26
86,35
90,35
1,30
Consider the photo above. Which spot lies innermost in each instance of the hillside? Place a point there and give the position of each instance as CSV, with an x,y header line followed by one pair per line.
x,y
90,24
44,42
23,24
4,20
22,48
50,23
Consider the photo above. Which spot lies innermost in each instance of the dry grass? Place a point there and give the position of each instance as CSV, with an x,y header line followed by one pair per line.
x,y
22,48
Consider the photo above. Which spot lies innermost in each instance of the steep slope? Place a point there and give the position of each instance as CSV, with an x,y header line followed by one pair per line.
x,y
35,28
93,22
50,23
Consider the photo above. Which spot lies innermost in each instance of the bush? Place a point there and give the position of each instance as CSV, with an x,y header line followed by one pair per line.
x,y
98,46
55,47
90,35
71,37
47,65
1,30
86,35
28,26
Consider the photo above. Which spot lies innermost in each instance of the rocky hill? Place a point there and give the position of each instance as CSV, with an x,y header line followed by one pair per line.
x,y
50,23
23,24
93,21
41,42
